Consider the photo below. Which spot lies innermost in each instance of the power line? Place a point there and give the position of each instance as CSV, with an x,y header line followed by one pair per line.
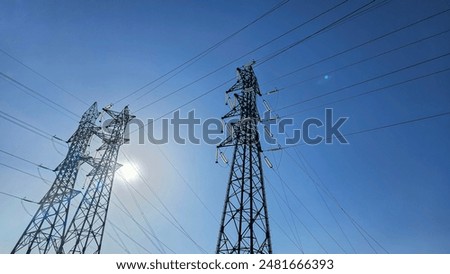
x,y
25,172
333,24
43,77
327,27
154,207
323,187
360,229
24,125
232,79
210,49
187,184
367,80
398,124
317,187
124,209
301,222
293,227
25,160
179,226
43,99
294,231
307,210
383,127
370,91
150,228
363,44
183,105
118,241
31,128
204,53
226,82
366,59
287,235
129,237
19,198
160,246
305,170
157,210
355,224
239,58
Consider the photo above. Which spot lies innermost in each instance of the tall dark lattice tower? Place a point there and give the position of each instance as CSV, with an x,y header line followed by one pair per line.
x,y
43,234
245,225
85,233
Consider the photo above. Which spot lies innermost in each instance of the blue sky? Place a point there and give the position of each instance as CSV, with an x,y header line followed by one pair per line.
x,y
393,182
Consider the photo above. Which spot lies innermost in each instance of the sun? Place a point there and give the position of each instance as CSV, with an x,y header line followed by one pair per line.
x,y
128,172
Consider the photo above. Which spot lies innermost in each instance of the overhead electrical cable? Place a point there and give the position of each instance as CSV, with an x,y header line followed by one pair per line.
x,y
205,52
237,59
367,80
362,44
44,77
42,98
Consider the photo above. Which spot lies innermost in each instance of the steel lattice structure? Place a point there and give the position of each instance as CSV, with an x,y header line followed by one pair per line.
x,y
244,225
46,229
85,232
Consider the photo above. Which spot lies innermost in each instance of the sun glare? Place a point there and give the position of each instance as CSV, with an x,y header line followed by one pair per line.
x,y
128,172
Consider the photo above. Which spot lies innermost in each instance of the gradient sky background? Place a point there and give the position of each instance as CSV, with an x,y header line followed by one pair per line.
x,y
393,182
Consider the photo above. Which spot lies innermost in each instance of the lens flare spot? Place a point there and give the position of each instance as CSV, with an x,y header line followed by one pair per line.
x,y
128,172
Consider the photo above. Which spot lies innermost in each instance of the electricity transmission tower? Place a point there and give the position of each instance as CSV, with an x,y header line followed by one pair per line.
x,y
46,229
85,232
244,225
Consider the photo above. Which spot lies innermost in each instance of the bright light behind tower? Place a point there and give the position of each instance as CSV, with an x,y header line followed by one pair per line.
x,y
128,172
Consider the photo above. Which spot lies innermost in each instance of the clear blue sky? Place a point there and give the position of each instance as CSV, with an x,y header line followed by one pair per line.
x,y
394,182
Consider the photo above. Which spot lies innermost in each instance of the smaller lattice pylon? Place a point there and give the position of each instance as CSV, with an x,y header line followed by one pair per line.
x,y
85,233
43,234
